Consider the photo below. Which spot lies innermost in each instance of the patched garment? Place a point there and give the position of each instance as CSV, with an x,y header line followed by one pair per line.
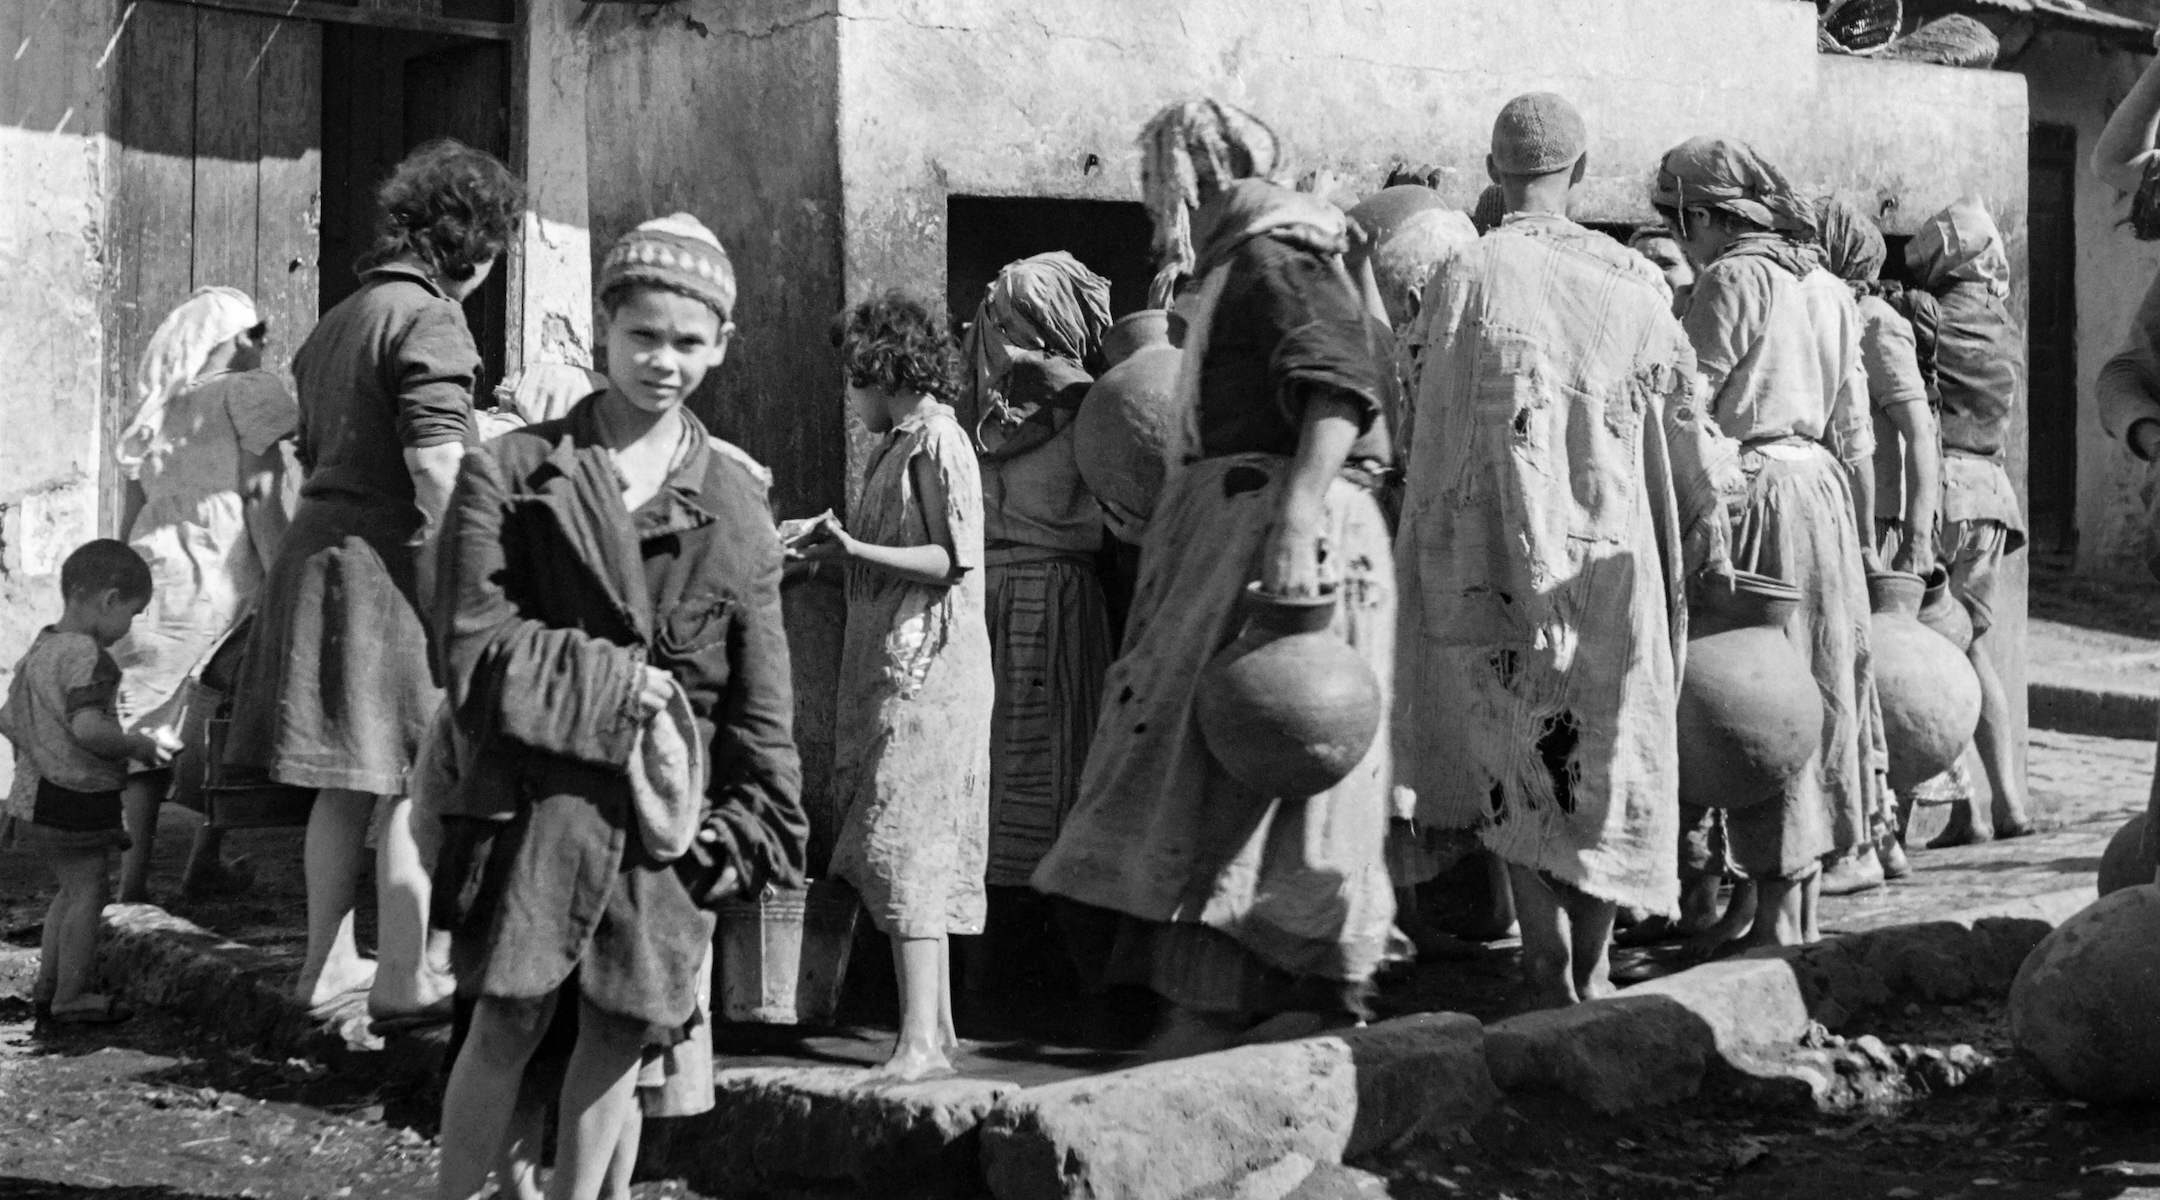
x,y
912,763
1560,455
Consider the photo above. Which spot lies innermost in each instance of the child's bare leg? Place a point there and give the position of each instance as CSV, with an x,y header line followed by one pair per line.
x,y
335,850
140,799
84,881
403,981
1590,926
599,1094
1998,749
517,1169
623,1166
1780,911
482,1115
948,1033
920,1050
1547,946
206,867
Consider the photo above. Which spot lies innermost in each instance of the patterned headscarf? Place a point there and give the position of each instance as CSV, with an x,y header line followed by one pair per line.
x,y
1852,247
1960,244
1190,151
175,356
1727,175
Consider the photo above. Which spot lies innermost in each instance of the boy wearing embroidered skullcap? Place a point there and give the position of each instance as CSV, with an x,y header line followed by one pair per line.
x,y
642,603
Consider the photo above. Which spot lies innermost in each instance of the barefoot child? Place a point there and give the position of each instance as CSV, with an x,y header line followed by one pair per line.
x,y
71,762
912,763
611,624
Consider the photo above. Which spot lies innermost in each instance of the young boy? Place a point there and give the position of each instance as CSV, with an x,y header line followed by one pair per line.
x,y
611,579
71,762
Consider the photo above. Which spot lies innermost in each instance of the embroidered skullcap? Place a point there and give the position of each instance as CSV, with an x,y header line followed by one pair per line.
x,y
1537,134
676,253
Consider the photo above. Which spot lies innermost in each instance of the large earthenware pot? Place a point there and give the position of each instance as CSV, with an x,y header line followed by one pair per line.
x,y
2081,1010
2125,862
1749,715
1930,696
1943,612
1128,416
1288,708
1382,212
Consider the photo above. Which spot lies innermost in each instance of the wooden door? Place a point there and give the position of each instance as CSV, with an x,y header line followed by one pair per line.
x,y
2051,340
217,120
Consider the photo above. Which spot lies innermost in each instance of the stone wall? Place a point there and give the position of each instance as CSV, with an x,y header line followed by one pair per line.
x,y
2077,82
52,151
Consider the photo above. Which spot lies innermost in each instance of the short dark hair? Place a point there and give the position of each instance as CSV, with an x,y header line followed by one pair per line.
x,y
893,342
449,205
105,565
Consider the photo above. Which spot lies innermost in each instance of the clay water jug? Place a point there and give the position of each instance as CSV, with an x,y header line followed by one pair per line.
x,y
1943,612
2081,1009
2124,863
1750,717
1288,708
1380,213
1930,696
1129,414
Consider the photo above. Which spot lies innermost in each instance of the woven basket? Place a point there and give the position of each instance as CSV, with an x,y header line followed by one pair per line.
x,y
1860,27
1952,41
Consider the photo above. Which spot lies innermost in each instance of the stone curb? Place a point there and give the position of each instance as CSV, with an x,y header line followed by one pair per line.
x,y
2094,712
1225,1124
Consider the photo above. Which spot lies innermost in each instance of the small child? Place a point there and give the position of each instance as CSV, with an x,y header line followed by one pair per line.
x,y
912,759
71,762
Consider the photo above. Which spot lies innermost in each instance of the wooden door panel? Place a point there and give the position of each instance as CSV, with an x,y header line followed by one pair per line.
x,y
288,189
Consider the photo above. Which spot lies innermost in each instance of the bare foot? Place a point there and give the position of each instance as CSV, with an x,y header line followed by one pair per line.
x,y
393,995
329,987
1962,829
1855,872
1734,925
910,1064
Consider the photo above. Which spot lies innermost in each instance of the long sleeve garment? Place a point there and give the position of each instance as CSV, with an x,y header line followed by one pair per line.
x,y
554,596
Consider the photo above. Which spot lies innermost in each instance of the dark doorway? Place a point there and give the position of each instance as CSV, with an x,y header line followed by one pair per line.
x,y
2051,341
384,93
983,233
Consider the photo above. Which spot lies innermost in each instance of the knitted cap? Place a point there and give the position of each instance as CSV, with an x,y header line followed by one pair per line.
x,y
1537,134
674,252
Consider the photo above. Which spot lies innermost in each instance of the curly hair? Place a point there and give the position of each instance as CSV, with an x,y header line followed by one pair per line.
x,y
895,343
448,205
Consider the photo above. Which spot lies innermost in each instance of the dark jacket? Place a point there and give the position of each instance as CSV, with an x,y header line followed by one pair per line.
x,y
554,596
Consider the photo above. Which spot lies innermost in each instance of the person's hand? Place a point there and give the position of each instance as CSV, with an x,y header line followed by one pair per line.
x,y
727,884
1916,554
156,749
545,391
2144,439
1870,557
1290,560
825,541
1123,523
655,688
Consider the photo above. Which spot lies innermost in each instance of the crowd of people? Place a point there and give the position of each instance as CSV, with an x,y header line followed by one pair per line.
x,y
534,656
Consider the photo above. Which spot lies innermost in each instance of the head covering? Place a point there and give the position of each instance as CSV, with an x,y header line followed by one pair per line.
x,y
1046,307
676,253
1490,209
1250,208
1189,149
667,777
1405,261
1538,133
1727,175
1960,244
175,356
1852,247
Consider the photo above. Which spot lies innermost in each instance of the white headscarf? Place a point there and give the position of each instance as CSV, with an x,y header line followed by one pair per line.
x,y
175,356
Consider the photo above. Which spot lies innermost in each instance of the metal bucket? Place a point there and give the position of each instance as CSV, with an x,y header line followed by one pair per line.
x,y
783,956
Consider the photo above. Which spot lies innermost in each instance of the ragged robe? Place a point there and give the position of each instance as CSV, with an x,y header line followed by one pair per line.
x,y
1560,455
